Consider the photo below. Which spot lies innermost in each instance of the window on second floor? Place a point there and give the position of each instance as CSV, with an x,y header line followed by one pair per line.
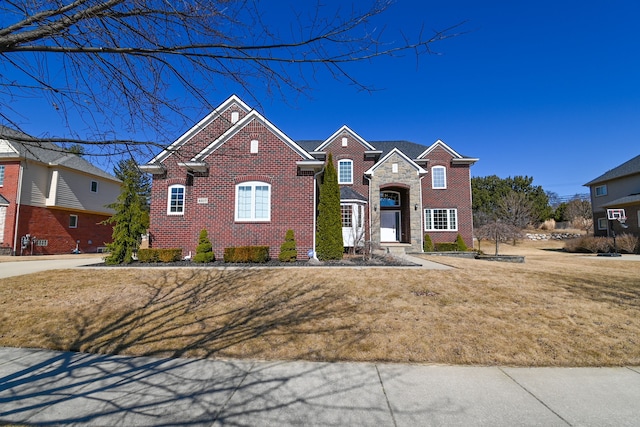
x,y
175,200
438,177
601,190
1,175
345,171
94,186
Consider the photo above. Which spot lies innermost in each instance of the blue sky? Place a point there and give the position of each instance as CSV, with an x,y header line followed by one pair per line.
x,y
548,89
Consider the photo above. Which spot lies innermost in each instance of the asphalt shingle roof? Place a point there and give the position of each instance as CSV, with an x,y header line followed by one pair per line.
x,y
48,153
630,167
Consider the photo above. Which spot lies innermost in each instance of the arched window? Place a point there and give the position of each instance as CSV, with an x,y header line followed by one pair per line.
x,y
345,171
439,177
253,201
175,200
389,199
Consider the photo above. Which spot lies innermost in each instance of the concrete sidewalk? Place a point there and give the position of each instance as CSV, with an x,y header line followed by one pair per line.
x,y
59,388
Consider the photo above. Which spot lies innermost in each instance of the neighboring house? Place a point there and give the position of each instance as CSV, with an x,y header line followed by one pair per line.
x,y
618,188
51,201
242,179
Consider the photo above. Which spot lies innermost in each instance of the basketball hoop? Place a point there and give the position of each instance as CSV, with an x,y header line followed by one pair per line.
x,y
617,214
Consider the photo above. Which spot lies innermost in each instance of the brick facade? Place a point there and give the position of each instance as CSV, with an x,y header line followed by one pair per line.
x,y
52,226
223,147
457,194
9,191
210,197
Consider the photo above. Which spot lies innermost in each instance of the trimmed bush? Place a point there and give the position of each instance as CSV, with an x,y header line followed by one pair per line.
x,y
148,255
244,254
427,246
460,244
159,255
204,250
446,247
288,251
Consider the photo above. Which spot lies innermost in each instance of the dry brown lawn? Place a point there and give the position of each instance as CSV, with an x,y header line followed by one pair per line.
x,y
556,309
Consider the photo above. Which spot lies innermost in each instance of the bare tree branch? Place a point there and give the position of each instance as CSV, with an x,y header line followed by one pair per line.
x,y
147,67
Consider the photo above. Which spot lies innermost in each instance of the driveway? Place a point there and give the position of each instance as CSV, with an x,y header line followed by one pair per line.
x,y
17,266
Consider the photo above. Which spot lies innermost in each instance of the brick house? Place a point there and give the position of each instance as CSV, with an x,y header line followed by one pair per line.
x,y
618,188
242,179
51,201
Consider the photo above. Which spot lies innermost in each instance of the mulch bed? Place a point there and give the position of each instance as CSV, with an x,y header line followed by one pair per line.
x,y
358,261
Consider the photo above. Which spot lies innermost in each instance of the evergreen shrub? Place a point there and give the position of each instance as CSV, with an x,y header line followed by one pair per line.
x,y
288,251
427,246
246,254
204,250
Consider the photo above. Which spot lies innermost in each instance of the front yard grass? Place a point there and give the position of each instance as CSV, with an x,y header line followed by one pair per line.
x,y
556,309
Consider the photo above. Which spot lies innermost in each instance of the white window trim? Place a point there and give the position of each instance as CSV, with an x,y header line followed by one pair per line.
x,y
603,187
2,169
603,221
433,177
253,185
184,194
351,166
75,222
426,226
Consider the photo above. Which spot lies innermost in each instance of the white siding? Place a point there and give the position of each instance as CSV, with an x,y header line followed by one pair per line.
x,y
3,215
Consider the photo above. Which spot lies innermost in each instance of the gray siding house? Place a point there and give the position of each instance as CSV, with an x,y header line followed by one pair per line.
x,y
618,188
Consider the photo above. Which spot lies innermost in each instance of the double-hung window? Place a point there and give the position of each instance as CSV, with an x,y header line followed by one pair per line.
x,y
345,171
438,177
441,219
1,175
253,201
175,202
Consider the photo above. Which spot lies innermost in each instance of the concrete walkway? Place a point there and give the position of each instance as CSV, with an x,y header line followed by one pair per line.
x,y
60,388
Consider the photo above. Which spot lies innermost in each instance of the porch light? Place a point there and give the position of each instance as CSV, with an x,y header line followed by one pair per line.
x,y
415,207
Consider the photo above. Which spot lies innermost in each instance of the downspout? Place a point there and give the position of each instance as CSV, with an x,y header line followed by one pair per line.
x,y
315,209
369,211
18,194
421,217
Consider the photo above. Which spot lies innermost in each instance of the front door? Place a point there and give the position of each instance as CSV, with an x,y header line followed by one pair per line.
x,y
389,226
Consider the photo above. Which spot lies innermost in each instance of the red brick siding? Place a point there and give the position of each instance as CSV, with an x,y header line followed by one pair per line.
x,y
53,225
456,195
275,163
9,191
202,139
353,151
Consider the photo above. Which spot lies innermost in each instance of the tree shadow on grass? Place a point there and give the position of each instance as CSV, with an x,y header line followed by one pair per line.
x,y
198,313
202,313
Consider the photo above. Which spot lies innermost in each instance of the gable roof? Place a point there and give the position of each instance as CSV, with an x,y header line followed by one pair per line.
x,y
47,153
413,164
630,167
343,129
253,115
202,124
457,157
